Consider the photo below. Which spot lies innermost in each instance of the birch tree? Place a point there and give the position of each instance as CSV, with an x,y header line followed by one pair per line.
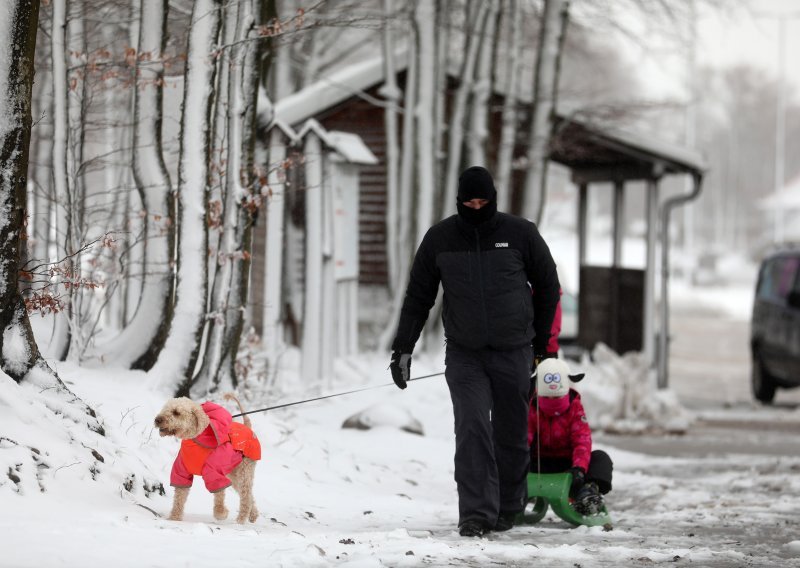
x,y
176,363
545,91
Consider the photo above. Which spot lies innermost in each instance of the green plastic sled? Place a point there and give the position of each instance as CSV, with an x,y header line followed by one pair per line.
x,y
553,489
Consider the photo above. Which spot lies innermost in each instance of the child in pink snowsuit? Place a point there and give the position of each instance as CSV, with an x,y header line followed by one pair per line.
x,y
560,437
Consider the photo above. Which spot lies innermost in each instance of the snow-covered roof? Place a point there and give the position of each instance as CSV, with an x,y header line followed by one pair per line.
x,y
350,147
332,89
639,145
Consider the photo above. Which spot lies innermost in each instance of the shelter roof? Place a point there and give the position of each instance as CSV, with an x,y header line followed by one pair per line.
x,y
608,153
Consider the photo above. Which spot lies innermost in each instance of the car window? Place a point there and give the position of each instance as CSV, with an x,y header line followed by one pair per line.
x,y
778,276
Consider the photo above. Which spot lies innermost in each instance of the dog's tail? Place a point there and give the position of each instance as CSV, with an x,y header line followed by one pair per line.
x,y
245,418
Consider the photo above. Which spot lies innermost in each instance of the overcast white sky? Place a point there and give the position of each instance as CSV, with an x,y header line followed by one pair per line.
x,y
746,32
753,38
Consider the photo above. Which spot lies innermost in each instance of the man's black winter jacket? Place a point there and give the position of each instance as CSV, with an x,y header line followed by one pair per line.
x,y
485,272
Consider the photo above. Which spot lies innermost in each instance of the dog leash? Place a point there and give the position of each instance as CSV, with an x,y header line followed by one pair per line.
x,y
333,395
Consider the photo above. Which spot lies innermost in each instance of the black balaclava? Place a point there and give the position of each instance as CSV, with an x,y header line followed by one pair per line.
x,y
476,183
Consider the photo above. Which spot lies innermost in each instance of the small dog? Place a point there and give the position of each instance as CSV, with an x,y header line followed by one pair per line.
x,y
222,451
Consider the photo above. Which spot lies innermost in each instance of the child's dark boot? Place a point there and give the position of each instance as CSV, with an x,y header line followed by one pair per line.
x,y
588,500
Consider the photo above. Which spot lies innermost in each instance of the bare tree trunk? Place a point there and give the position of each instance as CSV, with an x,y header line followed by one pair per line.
x,y
143,338
545,91
508,134
19,354
275,205
154,187
455,140
220,232
429,57
176,362
249,185
424,20
60,340
482,90
76,186
41,170
405,208
312,369
443,34
242,195
312,47
391,92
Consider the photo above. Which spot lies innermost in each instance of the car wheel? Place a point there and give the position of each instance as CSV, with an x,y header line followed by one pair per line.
x,y
762,382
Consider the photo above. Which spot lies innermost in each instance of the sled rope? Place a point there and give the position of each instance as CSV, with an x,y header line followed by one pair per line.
x,y
538,448
333,395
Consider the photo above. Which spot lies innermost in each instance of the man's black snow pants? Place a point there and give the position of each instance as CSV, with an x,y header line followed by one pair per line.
x,y
489,390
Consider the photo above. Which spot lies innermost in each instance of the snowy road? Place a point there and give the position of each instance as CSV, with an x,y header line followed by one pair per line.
x,y
731,484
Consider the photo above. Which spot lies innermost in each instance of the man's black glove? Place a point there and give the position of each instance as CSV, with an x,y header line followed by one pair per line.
x,y
578,478
401,368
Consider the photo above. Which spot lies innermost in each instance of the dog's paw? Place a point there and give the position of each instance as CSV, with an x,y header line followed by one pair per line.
x,y
175,517
220,513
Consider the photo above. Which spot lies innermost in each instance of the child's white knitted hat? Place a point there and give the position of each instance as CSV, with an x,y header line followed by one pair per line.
x,y
553,379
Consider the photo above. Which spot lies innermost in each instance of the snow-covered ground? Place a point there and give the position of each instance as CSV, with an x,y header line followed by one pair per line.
x,y
378,497
715,485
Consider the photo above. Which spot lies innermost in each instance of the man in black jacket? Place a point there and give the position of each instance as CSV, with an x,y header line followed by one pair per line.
x,y
494,326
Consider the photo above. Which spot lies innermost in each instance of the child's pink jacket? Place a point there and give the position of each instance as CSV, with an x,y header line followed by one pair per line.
x,y
562,436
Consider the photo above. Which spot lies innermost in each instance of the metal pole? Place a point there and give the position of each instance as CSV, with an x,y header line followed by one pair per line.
x,y
648,327
619,222
583,216
663,336
690,141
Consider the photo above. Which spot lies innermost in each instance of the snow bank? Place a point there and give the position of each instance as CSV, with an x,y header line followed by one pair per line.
x,y
386,415
620,394
47,449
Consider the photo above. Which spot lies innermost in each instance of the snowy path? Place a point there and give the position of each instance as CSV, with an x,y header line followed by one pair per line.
x,y
386,498
698,510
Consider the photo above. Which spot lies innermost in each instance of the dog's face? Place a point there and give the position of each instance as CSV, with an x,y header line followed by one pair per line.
x,y
182,418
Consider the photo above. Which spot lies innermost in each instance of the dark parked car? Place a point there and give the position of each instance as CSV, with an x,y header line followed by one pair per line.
x,y
775,327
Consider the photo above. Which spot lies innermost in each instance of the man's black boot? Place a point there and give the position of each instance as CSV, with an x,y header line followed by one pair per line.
x,y
505,522
472,527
